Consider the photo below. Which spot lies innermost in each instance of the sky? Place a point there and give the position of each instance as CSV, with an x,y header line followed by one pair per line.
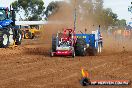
x,y
120,7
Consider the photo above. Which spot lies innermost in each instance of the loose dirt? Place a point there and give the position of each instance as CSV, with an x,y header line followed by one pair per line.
x,y
30,66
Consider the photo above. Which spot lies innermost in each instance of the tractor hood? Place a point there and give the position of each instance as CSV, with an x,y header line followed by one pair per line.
x,y
5,22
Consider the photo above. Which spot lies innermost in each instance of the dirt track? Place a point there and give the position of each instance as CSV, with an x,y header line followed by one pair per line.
x,y
29,66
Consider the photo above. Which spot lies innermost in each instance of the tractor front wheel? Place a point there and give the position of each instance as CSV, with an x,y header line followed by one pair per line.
x,y
80,47
11,35
18,37
54,44
73,53
51,54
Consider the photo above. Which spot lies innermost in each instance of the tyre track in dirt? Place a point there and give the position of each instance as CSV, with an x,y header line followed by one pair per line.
x,y
30,69
35,70
62,70
110,69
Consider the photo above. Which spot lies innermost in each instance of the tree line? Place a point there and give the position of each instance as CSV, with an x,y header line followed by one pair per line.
x,y
86,9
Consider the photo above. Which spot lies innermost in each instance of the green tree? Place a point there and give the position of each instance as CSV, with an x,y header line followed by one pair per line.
x,y
52,8
110,17
130,8
88,10
121,22
33,9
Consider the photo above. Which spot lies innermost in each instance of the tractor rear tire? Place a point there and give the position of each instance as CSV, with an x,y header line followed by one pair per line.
x,y
18,37
4,38
11,35
53,44
73,53
80,47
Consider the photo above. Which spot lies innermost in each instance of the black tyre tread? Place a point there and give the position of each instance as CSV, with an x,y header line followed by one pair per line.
x,y
29,34
2,32
18,42
10,27
53,44
73,52
79,47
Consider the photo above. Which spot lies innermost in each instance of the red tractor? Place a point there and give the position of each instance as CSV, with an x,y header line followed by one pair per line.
x,y
66,44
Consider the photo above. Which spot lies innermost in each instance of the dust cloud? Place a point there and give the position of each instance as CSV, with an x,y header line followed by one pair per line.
x,y
65,17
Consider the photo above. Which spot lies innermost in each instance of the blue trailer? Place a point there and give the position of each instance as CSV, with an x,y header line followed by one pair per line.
x,y
93,45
